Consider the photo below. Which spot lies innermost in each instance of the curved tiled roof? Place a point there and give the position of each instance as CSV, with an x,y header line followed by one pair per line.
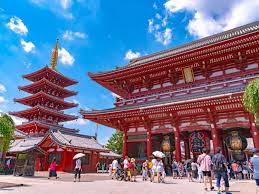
x,y
77,140
210,40
239,31
24,145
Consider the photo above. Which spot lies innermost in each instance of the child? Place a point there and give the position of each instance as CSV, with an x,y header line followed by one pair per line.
x,y
53,169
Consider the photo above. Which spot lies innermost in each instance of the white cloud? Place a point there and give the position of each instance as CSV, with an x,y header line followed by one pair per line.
x,y
65,4
131,55
210,17
17,120
70,35
78,121
16,25
27,46
157,26
164,37
65,57
2,88
2,100
58,7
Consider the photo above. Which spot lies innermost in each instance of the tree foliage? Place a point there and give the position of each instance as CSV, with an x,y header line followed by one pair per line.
x,y
115,143
7,128
251,97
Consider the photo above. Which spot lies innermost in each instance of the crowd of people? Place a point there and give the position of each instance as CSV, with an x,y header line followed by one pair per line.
x,y
203,170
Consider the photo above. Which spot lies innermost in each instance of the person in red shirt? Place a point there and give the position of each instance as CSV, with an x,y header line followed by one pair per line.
x,y
53,169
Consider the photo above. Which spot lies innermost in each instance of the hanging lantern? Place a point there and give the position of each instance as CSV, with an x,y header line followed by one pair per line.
x,y
198,141
166,145
236,142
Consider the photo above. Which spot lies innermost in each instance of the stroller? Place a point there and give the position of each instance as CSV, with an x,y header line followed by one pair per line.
x,y
120,174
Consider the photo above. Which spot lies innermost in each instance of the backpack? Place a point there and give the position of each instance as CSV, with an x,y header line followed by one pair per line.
x,y
188,166
218,166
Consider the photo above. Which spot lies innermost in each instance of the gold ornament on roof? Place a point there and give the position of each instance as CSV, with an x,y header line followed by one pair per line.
x,y
54,57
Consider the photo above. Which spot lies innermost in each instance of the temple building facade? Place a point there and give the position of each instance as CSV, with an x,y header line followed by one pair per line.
x,y
185,98
43,136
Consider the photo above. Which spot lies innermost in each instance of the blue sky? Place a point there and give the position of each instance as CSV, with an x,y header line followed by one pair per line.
x,y
98,35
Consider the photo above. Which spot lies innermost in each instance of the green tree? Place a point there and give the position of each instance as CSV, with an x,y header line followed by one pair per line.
x,y
7,128
115,143
251,99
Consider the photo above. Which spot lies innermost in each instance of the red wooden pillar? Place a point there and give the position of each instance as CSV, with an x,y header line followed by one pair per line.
x,y
177,144
215,138
149,142
214,132
125,147
187,149
94,161
254,132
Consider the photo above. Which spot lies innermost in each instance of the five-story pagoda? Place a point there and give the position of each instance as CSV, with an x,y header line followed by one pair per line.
x,y
46,102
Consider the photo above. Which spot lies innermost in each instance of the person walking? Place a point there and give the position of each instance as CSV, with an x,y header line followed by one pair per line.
x,y
125,167
204,160
78,169
115,165
180,170
97,167
53,169
220,168
234,167
175,169
144,170
194,168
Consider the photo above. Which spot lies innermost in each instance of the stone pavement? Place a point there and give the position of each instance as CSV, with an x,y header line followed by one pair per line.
x,y
40,185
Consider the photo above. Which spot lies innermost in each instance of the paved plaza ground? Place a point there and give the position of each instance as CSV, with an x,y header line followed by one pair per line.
x,y
101,184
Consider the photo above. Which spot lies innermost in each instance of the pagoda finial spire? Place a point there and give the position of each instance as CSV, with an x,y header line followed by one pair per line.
x,y
54,57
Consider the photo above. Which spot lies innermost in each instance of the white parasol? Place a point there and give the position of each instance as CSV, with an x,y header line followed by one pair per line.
x,y
79,155
158,154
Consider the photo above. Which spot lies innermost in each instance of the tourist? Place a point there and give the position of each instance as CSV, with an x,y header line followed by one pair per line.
x,y
125,167
245,171
144,170
204,161
78,169
154,169
220,169
174,169
160,170
133,169
200,175
97,166
180,170
53,169
150,167
234,167
114,168
110,170
255,165
188,169
250,169
194,168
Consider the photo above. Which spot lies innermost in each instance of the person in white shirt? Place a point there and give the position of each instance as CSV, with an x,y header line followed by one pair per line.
x,y
160,171
125,167
114,168
78,169
154,169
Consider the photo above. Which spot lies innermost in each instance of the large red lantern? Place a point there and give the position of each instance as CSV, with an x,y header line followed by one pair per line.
x,y
198,141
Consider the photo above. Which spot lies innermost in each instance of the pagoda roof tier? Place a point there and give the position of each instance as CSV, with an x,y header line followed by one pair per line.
x,y
40,109
30,100
50,74
47,126
44,83
197,102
